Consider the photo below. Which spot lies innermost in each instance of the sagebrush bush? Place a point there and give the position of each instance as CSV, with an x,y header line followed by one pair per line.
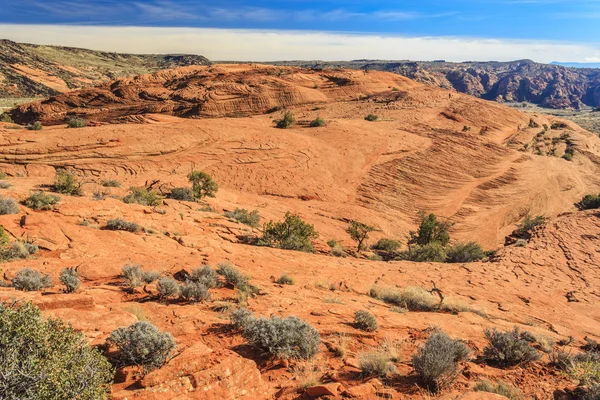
x,y
317,122
290,234
412,298
117,224
287,121
286,338
70,278
8,206
132,274
203,184
30,280
243,216
388,245
233,277
36,126
376,363
41,201
204,275
167,287
77,123
182,194
285,279
436,362
150,276
464,253
525,228
193,291
508,348
371,117
239,317
142,344
501,388
143,196
590,201
5,185
66,182
47,359
18,249
111,183
365,321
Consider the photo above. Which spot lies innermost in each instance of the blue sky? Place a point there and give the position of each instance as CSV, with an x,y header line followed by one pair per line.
x,y
562,22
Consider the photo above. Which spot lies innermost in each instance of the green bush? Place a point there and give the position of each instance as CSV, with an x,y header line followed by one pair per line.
x,y
5,117
388,245
67,183
193,291
431,252
501,388
182,194
203,184
167,287
242,215
30,280
117,224
70,278
77,123
287,121
285,279
590,201
8,206
371,118
142,344
317,122
286,338
359,232
47,359
233,277
436,362
508,348
143,196
525,228
204,275
36,126
18,250
111,183
365,321
464,253
290,234
41,201
430,231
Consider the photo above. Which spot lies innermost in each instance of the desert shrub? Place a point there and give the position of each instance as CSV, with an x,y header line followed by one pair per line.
x,y
18,249
70,279
431,252
150,276
317,122
525,228
365,321
142,344
203,184
111,183
501,388
167,287
562,360
30,280
285,279
8,206
36,126
290,234
41,201
66,183
193,291
388,245
240,317
5,185
132,274
436,362
286,338
143,196
182,194
233,277
558,125
117,224
464,253
5,117
287,121
371,117
521,243
242,215
376,363
204,275
4,239
590,201
338,251
430,231
412,298
77,123
359,232
47,359
508,348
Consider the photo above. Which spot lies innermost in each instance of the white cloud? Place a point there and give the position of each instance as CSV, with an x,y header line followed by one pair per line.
x,y
261,45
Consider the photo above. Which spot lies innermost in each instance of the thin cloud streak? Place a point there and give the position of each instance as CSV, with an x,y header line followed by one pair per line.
x,y
262,45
